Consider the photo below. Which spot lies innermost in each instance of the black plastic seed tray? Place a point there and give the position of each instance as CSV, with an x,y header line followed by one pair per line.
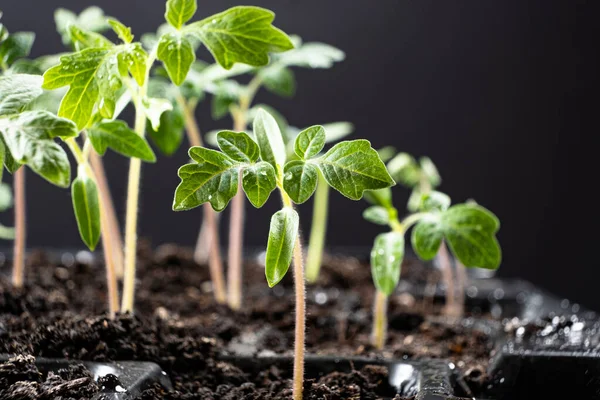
x,y
133,377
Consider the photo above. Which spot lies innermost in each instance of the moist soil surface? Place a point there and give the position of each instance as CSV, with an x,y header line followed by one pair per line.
x,y
61,313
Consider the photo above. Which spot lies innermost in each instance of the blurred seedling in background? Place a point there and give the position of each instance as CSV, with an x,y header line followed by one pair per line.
x,y
422,177
468,230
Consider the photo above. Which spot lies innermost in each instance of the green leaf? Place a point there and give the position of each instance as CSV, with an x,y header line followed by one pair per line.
x,y
279,80
300,180
25,66
337,130
87,73
94,79
87,208
426,238
434,200
9,161
179,12
414,200
377,215
270,141
2,159
177,54
169,135
430,171
85,39
133,58
258,181
352,167
386,261
6,199
7,233
92,19
154,109
122,31
17,91
312,55
470,232
3,33
281,121
380,197
226,94
213,178
118,136
17,45
63,18
387,153
239,146
29,137
405,170
241,34
283,234
310,142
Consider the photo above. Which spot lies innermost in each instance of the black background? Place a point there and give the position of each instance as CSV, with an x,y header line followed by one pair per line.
x,y
500,94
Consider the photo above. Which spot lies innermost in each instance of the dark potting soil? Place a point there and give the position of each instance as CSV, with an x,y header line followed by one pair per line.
x,y
61,313
21,380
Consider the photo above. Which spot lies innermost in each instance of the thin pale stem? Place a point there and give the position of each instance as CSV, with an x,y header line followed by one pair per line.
x,y
18,276
300,291
111,275
234,259
236,225
215,262
192,129
203,243
133,194
445,263
318,231
114,232
462,280
379,334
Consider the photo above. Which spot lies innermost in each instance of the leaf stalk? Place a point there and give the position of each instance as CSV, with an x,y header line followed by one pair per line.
x,y
236,222
318,230
379,333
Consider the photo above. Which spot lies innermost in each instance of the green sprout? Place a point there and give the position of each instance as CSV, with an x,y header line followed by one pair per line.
x,y
468,229
259,165
99,72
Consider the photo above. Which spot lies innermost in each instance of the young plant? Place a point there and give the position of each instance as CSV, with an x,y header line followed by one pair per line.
x,y
468,229
14,47
259,165
98,73
422,177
